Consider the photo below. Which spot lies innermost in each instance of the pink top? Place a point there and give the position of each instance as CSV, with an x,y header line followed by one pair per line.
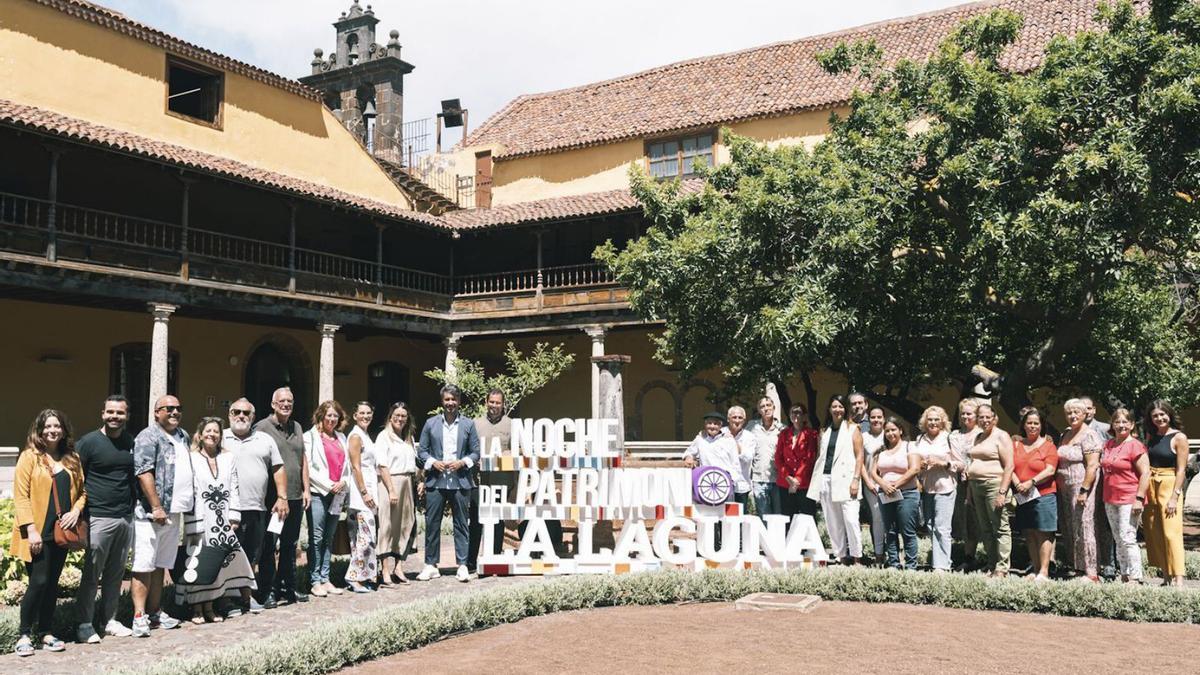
x,y
1120,478
892,464
939,480
335,455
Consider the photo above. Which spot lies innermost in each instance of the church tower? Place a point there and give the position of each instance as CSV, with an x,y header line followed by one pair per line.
x,y
363,82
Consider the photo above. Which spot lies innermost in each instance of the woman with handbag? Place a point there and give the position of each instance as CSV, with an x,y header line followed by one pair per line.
x,y
213,565
49,497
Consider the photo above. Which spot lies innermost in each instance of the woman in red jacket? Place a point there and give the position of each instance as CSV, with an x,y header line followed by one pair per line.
x,y
795,453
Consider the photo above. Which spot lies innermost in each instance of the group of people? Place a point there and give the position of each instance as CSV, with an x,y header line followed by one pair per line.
x,y
221,508
1090,489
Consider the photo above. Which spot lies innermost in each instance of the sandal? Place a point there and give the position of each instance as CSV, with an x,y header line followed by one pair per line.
x,y
24,646
400,578
52,644
199,619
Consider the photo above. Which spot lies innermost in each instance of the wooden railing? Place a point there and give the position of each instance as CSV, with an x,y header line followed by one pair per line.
x,y
93,235
567,276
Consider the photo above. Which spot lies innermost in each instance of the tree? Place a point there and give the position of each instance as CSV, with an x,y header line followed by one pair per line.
x,y
523,376
1042,224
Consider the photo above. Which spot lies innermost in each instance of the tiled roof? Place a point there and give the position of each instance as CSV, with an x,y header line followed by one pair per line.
x,y
777,79
120,23
555,208
55,124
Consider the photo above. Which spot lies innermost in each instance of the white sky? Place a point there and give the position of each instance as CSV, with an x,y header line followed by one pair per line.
x,y
487,52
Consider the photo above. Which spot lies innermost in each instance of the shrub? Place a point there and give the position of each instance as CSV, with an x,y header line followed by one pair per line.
x,y
333,645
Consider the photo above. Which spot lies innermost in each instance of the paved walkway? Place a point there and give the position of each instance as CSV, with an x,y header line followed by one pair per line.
x,y
190,640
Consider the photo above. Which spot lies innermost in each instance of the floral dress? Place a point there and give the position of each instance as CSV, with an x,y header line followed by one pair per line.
x,y
1082,535
208,525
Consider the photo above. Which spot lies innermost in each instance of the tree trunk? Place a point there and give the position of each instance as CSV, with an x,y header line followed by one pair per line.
x,y
811,393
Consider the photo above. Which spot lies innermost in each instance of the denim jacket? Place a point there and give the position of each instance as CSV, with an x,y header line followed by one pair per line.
x,y
154,451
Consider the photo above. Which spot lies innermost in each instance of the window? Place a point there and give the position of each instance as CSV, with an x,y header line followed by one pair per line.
x,y
194,92
678,156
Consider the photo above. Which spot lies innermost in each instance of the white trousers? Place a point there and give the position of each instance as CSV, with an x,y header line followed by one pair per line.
x,y
1124,528
841,519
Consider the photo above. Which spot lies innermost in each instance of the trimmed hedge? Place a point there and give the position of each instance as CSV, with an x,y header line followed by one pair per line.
x,y
333,645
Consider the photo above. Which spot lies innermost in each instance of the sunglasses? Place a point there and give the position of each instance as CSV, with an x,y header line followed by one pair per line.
x,y
169,408
240,413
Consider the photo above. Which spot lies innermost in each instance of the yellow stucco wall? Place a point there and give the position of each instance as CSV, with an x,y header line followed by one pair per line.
x,y
86,336
606,167
51,60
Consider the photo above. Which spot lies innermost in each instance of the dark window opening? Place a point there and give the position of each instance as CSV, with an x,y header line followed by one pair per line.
x,y
193,92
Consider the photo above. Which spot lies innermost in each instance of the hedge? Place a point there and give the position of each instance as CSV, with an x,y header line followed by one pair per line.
x,y
332,645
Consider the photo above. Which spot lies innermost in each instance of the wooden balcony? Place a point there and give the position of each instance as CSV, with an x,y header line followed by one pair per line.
x,y
116,243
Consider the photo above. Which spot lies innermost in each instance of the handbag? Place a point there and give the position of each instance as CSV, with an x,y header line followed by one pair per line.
x,y
73,538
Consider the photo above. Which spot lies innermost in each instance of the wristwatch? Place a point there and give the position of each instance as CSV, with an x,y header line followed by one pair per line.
x,y
1084,490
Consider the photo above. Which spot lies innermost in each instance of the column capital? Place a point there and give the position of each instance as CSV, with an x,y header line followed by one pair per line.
x,y
452,341
328,329
162,311
596,332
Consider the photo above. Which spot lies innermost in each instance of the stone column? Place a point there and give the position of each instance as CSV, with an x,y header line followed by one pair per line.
x,y
159,352
451,343
612,396
325,383
596,333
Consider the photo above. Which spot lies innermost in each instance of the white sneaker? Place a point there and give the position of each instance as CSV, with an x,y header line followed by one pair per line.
x,y
463,575
85,634
117,629
141,626
430,572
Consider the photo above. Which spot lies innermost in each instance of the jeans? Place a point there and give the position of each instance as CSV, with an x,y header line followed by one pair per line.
x,y
878,530
1124,528
285,573
939,519
321,527
900,518
435,505
44,572
109,540
995,530
766,499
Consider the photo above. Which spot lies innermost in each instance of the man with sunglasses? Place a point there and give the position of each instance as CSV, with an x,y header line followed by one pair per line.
x,y
257,461
165,492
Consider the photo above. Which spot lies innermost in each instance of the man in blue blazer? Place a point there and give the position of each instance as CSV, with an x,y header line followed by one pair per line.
x,y
448,448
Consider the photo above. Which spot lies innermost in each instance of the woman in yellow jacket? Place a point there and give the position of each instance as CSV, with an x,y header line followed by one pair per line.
x,y
47,487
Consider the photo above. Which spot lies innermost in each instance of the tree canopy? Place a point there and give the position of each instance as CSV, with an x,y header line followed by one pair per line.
x,y
524,374
1040,224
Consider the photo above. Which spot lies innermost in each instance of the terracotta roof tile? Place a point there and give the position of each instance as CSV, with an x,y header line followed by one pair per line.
x,y
554,208
53,123
767,81
81,9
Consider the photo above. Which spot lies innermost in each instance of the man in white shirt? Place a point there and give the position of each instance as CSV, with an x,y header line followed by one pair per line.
x,y
762,471
448,448
715,446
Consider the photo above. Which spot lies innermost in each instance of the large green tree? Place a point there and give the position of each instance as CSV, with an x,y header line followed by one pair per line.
x,y
960,218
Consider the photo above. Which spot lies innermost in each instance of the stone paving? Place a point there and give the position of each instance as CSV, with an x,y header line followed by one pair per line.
x,y
190,639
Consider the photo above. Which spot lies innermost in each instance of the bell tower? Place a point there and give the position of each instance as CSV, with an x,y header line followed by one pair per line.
x,y
363,82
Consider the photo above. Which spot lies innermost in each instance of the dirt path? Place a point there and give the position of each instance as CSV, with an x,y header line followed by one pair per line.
x,y
838,637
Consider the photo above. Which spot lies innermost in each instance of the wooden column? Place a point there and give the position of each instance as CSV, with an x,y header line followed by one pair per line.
x,y
52,208
183,226
291,247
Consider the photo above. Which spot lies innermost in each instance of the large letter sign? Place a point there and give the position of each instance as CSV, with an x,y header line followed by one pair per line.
x,y
665,517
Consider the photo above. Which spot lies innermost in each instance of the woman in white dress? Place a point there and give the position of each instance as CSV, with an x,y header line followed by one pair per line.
x,y
364,480
397,457
211,525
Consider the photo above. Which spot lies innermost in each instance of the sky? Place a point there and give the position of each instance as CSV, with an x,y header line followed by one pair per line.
x,y
487,52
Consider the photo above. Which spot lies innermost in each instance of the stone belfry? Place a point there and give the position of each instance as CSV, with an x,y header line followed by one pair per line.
x,y
363,82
